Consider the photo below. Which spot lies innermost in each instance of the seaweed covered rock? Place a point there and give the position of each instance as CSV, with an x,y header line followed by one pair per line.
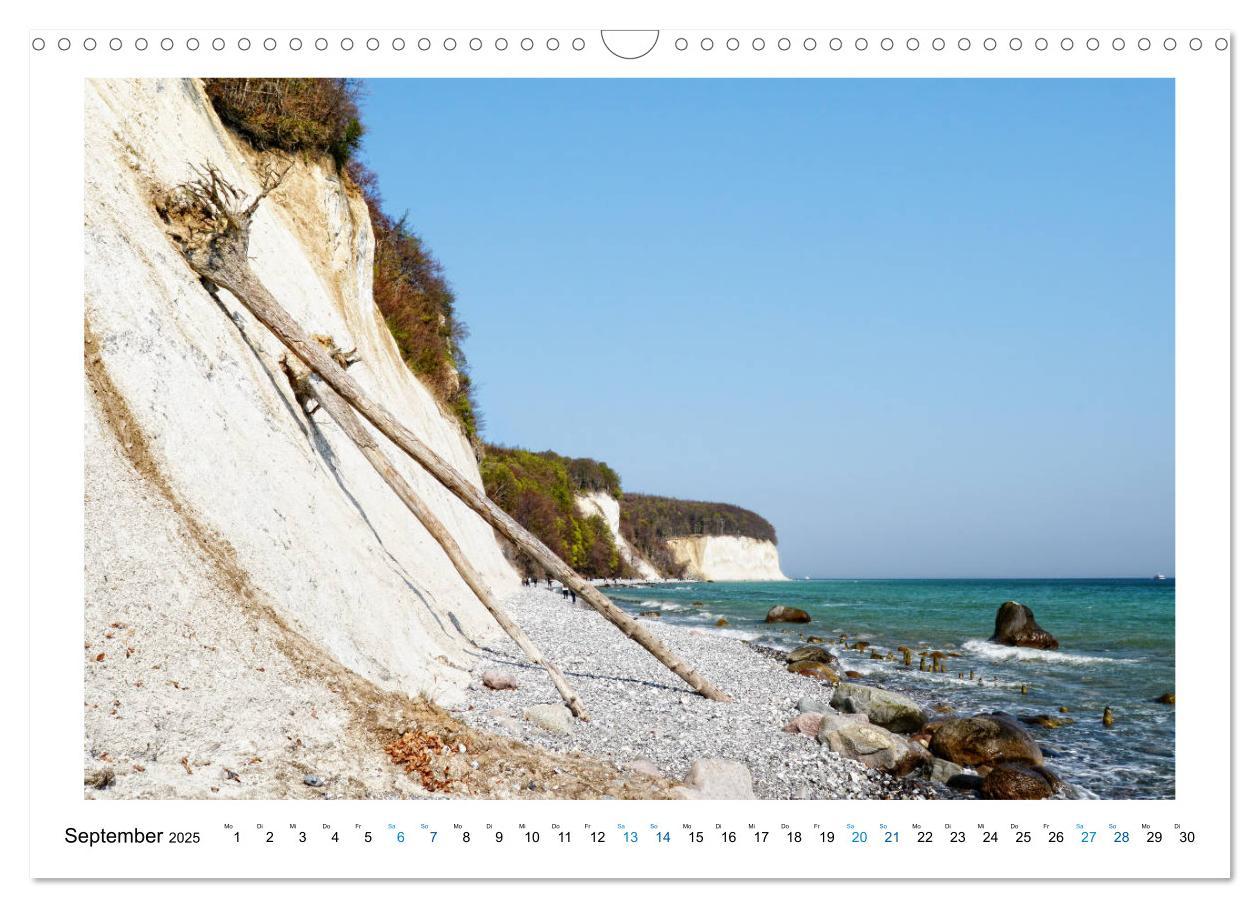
x,y
1016,626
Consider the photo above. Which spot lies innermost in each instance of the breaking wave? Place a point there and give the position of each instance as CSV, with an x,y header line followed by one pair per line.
x,y
997,652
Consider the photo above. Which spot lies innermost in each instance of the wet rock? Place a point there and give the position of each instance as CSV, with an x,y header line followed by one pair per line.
x,y
965,781
853,674
718,780
813,638
894,712
1018,782
499,680
1168,698
554,717
985,740
1016,626
814,670
649,614
1108,718
785,614
721,622
810,654
854,738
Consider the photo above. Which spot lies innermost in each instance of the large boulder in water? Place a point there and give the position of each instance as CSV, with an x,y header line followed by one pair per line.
x,y
1015,626
781,614
985,741
1018,782
894,712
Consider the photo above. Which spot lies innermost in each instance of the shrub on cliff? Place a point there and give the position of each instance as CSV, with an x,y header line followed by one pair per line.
x,y
299,115
321,116
539,490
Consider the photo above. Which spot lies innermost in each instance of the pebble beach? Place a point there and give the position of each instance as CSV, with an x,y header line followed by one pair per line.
x,y
646,718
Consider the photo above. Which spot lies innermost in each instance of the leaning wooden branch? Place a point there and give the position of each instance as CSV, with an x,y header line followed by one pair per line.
x,y
222,258
339,411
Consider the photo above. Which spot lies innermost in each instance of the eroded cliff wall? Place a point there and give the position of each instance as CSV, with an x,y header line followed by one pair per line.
x,y
307,521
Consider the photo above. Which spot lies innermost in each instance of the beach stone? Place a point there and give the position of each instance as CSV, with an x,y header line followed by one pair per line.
x,y
814,670
811,705
806,724
499,680
1016,626
894,712
781,614
985,740
943,770
878,748
646,767
554,717
810,654
1018,782
710,779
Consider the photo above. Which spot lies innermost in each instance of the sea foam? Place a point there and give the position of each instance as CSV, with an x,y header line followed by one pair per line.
x,y
998,652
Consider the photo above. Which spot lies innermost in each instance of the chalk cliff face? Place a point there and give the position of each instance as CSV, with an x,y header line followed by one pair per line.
x,y
726,558
186,393
607,507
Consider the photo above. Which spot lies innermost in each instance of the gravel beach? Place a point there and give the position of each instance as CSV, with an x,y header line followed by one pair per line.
x,y
640,711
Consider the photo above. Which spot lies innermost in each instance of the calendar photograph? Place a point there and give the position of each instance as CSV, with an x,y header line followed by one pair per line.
x,y
629,439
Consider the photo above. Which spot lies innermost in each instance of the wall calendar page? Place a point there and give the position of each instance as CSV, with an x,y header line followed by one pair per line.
x,y
510,451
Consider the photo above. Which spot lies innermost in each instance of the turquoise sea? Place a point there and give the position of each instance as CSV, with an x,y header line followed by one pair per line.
x,y
1116,641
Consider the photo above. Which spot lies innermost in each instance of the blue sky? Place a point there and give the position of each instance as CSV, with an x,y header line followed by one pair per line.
x,y
923,326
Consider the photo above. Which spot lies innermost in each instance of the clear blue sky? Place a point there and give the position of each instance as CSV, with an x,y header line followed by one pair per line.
x,y
923,326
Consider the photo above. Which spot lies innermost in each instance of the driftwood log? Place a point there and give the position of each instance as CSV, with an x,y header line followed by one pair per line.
x,y
340,412
215,243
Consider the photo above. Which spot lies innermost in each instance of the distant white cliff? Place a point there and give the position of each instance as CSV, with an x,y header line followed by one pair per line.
x,y
726,558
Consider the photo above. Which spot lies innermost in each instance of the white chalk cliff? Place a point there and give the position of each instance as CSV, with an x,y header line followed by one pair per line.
x,y
726,558
608,508
187,394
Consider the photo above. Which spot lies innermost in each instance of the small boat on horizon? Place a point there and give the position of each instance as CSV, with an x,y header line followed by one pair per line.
x,y
1159,577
